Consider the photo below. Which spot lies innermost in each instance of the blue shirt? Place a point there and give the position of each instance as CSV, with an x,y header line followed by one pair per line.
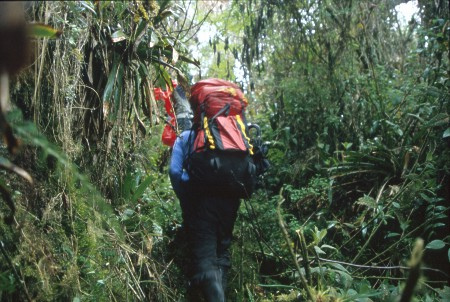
x,y
178,175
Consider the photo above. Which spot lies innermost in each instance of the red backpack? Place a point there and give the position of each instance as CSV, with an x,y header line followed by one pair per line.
x,y
220,159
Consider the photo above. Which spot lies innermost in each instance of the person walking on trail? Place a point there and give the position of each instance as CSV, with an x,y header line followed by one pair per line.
x,y
208,223
209,181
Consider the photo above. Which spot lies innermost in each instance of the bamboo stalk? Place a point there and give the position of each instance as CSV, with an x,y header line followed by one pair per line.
x,y
304,252
39,75
414,274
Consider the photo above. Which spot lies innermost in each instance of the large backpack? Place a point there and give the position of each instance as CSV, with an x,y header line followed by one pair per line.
x,y
220,161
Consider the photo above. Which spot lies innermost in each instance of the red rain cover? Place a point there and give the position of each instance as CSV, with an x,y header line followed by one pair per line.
x,y
214,94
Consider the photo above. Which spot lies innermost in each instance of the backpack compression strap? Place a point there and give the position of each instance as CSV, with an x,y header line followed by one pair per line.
x,y
246,138
208,134
210,138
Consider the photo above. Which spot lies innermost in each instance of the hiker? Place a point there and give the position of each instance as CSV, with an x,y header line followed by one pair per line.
x,y
209,200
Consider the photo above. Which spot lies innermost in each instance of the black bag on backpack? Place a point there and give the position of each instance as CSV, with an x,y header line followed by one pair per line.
x,y
229,174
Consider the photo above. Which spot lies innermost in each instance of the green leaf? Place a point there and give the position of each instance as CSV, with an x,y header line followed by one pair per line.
x,y
89,5
349,225
319,250
109,87
141,188
128,212
189,60
118,36
446,133
392,235
39,30
104,4
142,25
117,91
347,145
322,234
367,201
162,15
435,245
337,266
437,120
166,76
137,89
127,186
448,254
154,39
434,91
328,247
331,224
444,293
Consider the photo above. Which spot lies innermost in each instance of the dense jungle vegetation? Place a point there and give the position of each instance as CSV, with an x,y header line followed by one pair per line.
x,y
353,103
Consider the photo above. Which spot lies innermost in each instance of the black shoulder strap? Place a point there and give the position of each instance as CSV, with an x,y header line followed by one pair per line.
x,y
225,109
189,149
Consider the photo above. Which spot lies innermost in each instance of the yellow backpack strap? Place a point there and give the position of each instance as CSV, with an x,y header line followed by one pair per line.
x,y
212,145
242,126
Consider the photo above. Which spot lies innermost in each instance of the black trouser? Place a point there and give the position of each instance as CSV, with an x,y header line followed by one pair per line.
x,y
209,223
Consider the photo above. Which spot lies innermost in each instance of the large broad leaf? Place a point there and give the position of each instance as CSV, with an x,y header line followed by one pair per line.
x,y
141,27
141,188
139,34
138,97
40,30
109,88
319,250
148,102
166,76
435,245
338,267
117,91
127,185
446,133
189,60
